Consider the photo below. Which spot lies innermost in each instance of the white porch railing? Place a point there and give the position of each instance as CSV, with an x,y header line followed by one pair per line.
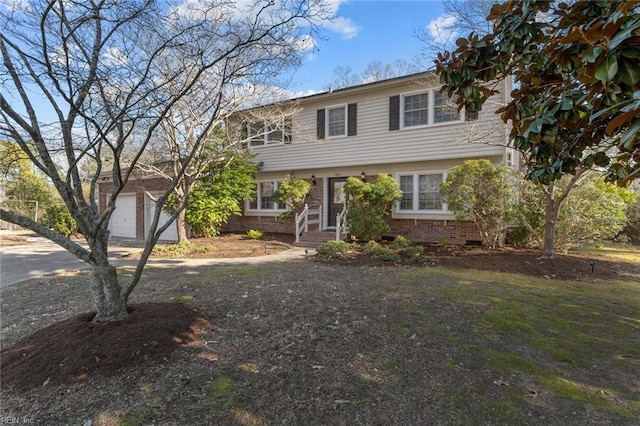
x,y
341,223
304,219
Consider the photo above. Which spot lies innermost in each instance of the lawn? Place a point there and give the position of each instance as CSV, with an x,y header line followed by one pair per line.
x,y
304,342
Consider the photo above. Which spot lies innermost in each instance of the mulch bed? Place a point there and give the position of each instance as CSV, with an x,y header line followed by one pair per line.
x,y
570,266
74,349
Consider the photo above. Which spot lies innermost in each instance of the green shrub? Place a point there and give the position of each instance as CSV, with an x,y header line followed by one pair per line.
x,y
521,236
385,254
60,220
400,250
371,248
400,242
254,234
479,191
292,192
174,250
443,242
205,249
412,254
370,205
334,249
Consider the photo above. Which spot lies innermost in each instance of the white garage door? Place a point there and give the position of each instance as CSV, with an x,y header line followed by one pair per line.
x,y
123,219
169,234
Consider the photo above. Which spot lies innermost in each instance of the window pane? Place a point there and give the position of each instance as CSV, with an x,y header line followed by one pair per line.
x,y
336,121
266,195
256,134
274,134
429,192
445,109
406,185
416,110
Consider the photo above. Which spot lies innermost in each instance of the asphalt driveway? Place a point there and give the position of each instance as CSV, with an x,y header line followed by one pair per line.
x,y
40,257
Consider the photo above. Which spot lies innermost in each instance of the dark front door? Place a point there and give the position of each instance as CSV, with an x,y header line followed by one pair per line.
x,y
336,199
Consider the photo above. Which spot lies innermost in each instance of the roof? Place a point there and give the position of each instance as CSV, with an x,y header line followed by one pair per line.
x,y
352,89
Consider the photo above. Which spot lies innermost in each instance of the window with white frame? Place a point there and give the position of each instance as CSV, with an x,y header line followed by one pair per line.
x,y
420,192
337,121
263,199
262,133
416,109
444,108
428,108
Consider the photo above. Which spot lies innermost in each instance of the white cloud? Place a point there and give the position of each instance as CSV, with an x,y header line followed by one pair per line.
x,y
339,24
343,26
334,5
442,28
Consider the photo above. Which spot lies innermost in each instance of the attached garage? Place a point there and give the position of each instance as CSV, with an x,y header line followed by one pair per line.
x,y
123,219
171,233
135,208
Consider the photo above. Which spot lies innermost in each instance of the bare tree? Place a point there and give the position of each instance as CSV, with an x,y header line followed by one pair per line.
x,y
221,143
459,19
111,73
376,70
344,76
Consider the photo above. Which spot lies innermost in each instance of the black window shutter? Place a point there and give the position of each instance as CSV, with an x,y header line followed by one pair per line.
x,y
288,130
352,120
394,113
320,121
470,116
244,135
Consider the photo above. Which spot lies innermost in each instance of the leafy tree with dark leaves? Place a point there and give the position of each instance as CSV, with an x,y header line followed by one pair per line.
x,y
576,97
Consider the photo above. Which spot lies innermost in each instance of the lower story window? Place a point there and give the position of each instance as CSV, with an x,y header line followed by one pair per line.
x,y
263,200
421,192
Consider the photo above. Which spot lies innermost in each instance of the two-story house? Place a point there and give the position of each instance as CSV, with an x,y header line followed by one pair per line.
x,y
402,126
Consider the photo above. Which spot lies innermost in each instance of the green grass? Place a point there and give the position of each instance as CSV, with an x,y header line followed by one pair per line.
x,y
544,328
139,417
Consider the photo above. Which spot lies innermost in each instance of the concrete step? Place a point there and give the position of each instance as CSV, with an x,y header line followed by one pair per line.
x,y
314,239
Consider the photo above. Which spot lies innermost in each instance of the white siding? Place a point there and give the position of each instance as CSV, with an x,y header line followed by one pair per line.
x,y
375,144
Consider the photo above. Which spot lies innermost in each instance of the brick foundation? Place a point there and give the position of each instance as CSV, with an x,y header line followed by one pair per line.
x,y
431,231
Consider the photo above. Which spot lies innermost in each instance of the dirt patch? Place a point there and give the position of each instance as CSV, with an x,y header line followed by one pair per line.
x,y
224,246
72,350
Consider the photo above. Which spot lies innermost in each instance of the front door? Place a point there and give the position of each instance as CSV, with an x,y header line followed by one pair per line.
x,y
335,200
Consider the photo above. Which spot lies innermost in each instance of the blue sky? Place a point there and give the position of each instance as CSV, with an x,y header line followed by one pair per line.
x,y
366,31
361,32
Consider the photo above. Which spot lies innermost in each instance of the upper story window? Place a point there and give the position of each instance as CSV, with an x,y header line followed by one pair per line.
x,y
263,200
444,108
337,121
420,192
262,133
416,110
422,109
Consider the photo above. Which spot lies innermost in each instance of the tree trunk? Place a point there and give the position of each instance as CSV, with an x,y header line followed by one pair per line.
x,y
181,223
551,212
110,304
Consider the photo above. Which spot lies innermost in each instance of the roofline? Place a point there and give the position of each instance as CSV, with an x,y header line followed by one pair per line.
x,y
351,89
365,86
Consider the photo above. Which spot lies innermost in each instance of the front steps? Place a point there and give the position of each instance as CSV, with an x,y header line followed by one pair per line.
x,y
313,239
